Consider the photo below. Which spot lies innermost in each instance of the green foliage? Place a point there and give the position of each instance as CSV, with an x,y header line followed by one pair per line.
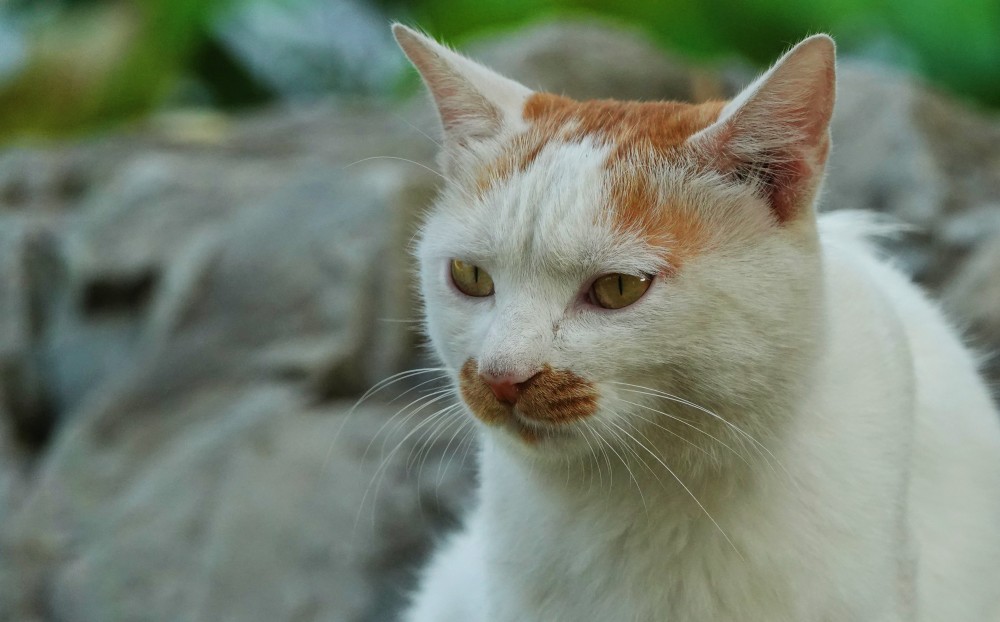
x,y
955,44
99,62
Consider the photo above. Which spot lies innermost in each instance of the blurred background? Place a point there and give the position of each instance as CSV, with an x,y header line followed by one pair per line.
x,y
205,214
70,66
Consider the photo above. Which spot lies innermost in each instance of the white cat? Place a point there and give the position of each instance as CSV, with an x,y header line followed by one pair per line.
x,y
697,401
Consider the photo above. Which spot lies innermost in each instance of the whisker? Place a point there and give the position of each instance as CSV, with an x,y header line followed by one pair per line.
x,y
428,443
423,446
732,426
467,194
687,423
469,428
419,404
470,442
634,453
688,490
384,463
597,463
418,130
378,386
628,469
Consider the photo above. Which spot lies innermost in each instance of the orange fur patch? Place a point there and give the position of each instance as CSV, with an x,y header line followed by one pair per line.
x,y
639,210
629,126
639,134
552,397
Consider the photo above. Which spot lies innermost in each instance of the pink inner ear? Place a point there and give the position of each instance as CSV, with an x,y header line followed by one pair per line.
x,y
776,134
784,188
472,101
787,179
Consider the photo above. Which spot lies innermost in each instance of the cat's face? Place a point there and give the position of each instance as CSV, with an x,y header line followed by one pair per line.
x,y
587,261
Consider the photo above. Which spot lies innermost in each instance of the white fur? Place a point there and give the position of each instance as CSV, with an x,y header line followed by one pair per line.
x,y
871,488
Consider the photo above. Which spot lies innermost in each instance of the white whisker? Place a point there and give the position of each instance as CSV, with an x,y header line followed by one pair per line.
x,y
686,489
668,396
379,386
688,424
628,469
384,463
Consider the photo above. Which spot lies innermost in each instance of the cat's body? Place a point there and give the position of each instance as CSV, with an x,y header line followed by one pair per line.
x,y
779,427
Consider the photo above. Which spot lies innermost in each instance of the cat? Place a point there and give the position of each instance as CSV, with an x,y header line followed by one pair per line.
x,y
697,400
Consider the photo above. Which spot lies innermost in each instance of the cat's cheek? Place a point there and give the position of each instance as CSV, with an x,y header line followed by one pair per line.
x,y
454,325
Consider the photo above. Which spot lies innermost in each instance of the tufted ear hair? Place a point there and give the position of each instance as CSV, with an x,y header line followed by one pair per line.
x,y
775,133
473,102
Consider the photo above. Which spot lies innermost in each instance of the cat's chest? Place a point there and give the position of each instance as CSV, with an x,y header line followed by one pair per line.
x,y
612,560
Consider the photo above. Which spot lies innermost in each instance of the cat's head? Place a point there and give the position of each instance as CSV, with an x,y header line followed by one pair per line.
x,y
589,267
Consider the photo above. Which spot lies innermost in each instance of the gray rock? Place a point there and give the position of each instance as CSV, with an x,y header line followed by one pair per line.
x,y
305,49
881,161
13,467
258,508
904,150
160,206
189,346
973,296
593,60
304,285
31,280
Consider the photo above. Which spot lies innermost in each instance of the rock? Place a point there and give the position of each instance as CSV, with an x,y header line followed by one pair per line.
x,y
593,60
904,150
31,280
306,49
13,467
38,181
192,345
974,297
258,508
304,285
157,203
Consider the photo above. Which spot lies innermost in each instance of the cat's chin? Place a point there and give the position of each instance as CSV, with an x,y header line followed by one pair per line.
x,y
538,439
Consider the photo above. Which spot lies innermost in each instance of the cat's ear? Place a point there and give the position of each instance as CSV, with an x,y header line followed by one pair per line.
x,y
775,134
474,103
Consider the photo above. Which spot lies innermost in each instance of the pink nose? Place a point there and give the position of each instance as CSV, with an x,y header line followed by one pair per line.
x,y
506,388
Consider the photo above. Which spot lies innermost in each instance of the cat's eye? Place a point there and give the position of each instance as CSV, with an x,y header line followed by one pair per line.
x,y
615,291
471,280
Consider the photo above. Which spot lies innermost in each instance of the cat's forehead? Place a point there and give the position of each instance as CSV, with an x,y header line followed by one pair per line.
x,y
633,131
660,125
584,182
547,217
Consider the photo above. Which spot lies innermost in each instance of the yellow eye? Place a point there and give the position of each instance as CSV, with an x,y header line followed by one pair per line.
x,y
614,291
471,280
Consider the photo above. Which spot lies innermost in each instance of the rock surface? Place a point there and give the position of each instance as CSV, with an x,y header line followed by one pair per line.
x,y
188,312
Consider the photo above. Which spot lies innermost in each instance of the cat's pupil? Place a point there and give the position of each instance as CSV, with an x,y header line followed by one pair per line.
x,y
617,290
470,279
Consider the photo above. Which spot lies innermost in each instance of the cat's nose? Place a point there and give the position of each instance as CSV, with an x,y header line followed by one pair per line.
x,y
506,388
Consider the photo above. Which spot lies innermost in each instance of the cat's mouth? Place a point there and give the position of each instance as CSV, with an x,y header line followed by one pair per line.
x,y
543,409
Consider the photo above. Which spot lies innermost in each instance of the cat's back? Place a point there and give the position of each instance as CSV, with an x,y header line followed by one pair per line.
x,y
954,467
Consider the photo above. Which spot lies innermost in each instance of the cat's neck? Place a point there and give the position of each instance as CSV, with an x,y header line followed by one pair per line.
x,y
636,474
